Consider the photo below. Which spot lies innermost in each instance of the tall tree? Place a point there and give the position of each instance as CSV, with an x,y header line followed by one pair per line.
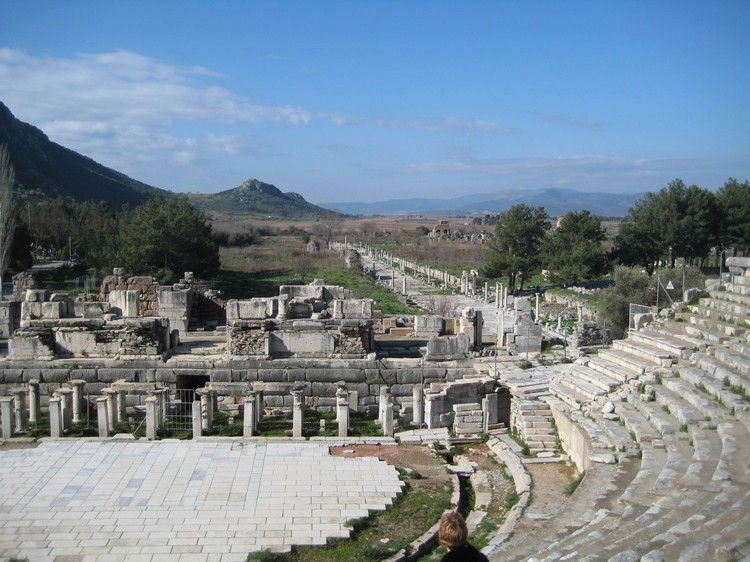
x,y
734,200
678,221
574,252
7,211
514,252
167,234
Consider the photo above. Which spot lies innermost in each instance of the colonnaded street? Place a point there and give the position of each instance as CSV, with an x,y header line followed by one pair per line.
x,y
201,500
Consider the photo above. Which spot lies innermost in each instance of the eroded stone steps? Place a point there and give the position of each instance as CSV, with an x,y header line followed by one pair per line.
x,y
571,396
645,351
597,379
736,355
613,370
722,327
723,312
727,296
682,391
576,512
699,379
676,331
637,526
676,347
721,371
580,385
721,537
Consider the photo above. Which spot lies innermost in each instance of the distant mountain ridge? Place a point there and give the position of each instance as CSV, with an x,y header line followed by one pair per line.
x,y
254,198
45,170
557,201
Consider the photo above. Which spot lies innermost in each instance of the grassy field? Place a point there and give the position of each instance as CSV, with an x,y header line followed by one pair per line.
x,y
259,269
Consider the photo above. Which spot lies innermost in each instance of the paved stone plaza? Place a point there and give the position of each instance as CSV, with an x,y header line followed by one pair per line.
x,y
175,500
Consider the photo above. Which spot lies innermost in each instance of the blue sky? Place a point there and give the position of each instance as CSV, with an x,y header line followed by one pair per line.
x,y
365,101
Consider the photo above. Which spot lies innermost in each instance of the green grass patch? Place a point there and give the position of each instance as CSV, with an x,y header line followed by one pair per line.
x,y
571,488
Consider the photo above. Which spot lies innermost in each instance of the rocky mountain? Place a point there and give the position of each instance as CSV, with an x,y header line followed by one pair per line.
x,y
46,170
556,201
254,198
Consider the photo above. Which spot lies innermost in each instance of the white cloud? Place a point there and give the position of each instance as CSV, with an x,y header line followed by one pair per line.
x,y
119,106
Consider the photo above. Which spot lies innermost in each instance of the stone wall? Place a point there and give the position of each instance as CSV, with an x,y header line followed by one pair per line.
x,y
146,285
275,377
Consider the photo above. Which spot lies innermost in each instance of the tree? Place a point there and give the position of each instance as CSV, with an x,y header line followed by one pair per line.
x,y
631,286
678,221
734,200
167,234
7,211
574,252
328,226
514,252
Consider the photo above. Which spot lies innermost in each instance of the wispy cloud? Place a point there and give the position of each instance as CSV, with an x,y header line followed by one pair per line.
x,y
585,171
446,124
568,122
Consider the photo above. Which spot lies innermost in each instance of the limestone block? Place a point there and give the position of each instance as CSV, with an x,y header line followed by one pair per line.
x,y
353,308
31,310
90,309
83,343
36,295
428,325
446,348
31,346
304,292
298,309
256,309
125,302
303,343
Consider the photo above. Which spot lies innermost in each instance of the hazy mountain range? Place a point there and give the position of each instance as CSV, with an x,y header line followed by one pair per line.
x,y
556,201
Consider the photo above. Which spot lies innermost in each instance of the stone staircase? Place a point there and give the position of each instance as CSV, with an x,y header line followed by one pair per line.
x,y
681,487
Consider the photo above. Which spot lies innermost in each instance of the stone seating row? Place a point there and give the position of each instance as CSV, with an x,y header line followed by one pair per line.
x,y
684,500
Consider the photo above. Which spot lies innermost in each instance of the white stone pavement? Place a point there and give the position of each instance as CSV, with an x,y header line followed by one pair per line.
x,y
88,499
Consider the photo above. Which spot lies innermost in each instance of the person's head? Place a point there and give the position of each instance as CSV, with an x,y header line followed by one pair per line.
x,y
453,530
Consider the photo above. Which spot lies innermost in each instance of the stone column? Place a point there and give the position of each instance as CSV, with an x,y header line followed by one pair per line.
x,y
258,407
121,401
6,412
497,295
197,419
78,387
207,407
152,417
486,288
505,297
417,405
393,278
500,341
403,285
490,404
342,411
297,412
34,401
559,323
19,409
580,313
102,416
353,401
248,421
536,309
110,395
55,417
383,398
67,406
388,418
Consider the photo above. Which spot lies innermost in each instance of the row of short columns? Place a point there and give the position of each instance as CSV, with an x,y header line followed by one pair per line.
x,y
67,406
